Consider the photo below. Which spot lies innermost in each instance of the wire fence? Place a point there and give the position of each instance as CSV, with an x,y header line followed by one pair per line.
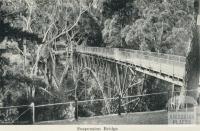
x,y
27,114
13,114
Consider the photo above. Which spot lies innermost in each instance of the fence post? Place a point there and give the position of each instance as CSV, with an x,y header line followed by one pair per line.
x,y
33,112
76,109
119,105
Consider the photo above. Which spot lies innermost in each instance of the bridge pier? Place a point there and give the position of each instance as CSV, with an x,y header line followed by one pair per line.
x,y
115,78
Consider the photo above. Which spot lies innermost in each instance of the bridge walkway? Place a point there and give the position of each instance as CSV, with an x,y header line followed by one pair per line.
x,y
167,67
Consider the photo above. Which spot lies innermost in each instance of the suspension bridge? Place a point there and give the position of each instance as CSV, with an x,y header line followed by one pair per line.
x,y
119,75
167,67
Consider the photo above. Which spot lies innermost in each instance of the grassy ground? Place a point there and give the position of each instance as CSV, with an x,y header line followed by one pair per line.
x,y
157,117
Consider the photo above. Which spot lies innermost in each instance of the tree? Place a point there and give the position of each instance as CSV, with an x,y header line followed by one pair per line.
x,y
192,59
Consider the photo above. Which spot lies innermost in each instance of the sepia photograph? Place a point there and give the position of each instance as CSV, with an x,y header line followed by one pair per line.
x,y
99,62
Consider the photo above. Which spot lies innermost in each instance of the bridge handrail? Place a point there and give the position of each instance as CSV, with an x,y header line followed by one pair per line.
x,y
163,63
161,56
156,54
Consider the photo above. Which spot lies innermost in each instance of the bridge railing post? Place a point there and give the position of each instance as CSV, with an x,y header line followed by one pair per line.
x,y
179,59
160,65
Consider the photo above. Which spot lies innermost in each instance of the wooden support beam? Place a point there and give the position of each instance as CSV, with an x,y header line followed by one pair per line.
x,y
101,89
118,80
124,81
172,91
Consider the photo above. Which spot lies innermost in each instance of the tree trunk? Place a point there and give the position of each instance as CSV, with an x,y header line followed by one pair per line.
x,y
24,51
192,59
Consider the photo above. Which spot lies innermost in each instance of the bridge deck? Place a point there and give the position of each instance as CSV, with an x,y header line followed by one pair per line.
x,y
170,68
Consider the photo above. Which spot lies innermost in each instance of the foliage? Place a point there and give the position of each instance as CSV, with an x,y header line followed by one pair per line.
x,y
38,25
158,26
89,31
